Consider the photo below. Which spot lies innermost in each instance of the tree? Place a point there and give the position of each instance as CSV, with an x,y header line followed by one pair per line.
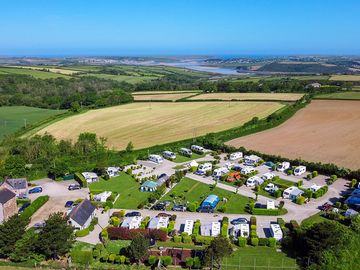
x,y
10,232
75,106
219,248
138,247
189,262
56,238
25,248
129,147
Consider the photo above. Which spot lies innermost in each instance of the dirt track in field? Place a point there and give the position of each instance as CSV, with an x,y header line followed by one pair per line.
x,y
325,131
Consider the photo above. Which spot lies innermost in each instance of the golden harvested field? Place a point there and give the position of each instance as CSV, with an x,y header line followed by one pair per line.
x,y
51,69
249,96
354,78
325,131
161,123
172,97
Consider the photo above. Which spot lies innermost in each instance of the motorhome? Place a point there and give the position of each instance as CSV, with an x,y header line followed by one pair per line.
x,y
169,155
283,166
299,170
203,168
247,170
220,172
236,155
292,193
185,152
253,181
251,160
197,148
268,176
156,158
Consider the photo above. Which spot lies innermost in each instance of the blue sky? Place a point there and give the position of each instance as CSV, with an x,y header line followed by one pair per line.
x,y
169,27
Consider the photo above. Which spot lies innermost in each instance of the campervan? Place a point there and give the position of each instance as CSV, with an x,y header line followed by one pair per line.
x,y
220,172
203,168
169,155
299,170
197,148
283,166
156,158
236,155
253,181
185,152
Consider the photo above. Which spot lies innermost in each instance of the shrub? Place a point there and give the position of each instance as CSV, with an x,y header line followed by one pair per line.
x,y
353,183
34,206
187,239
255,241
294,225
299,183
309,176
289,172
83,257
196,229
300,200
252,220
171,226
91,227
115,221
80,179
224,229
197,263
177,239
314,174
96,253
203,240
152,260
269,212
277,193
192,207
263,241
166,260
94,221
242,241
112,257
253,227
104,234
253,233
272,242
82,233
189,262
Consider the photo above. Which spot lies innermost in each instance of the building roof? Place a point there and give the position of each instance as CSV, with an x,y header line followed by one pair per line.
x,y
81,213
149,184
6,195
89,174
17,183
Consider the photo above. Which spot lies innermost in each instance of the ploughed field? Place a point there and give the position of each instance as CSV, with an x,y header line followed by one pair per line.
x,y
324,131
147,124
249,96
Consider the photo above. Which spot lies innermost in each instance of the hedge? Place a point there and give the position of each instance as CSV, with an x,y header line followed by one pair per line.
x,y
152,260
171,226
34,206
254,241
177,239
263,241
203,240
269,212
272,242
252,220
187,239
80,179
166,260
82,233
196,229
120,233
321,192
83,257
242,241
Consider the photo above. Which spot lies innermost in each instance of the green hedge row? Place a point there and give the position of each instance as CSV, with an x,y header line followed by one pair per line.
x,y
82,233
34,206
80,179
269,212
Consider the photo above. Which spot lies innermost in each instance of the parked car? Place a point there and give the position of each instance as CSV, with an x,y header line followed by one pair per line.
x,y
39,225
325,207
69,204
239,221
74,187
205,210
179,207
133,214
159,207
35,190
23,207
164,215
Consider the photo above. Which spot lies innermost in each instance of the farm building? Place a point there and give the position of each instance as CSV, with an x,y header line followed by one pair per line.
x,y
17,185
102,197
113,171
276,231
240,230
210,202
80,217
90,177
149,186
8,205
251,160
158,222
188,226
292,193
131,222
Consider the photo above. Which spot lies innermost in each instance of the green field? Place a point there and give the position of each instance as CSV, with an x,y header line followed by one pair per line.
x,y
13,118
340,95
180,158
193,191
129,79
35,73
130,195
256,258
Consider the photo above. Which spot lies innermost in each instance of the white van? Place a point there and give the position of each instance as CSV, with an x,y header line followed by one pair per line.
x,y
253,181
197,148
283,166
299,170
185,152
247,170
169,155
156,158
236,155
203,168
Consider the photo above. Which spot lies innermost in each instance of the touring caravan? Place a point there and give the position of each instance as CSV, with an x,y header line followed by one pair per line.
x,y
185,152
283,166
197,149
299,170
236,155
156,158
203,168
169,155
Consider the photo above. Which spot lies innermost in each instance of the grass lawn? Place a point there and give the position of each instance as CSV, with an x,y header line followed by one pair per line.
x,y
284,182
180,158
194,191
317,218
341,95
115,246
172,244
130,195
12,118
250,258
162,122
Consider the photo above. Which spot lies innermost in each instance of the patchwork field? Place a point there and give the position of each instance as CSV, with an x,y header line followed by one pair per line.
x,y
325,131
343,95
354,78
164,92
171,96
35,73
50,69
147,124
13,118
249,96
